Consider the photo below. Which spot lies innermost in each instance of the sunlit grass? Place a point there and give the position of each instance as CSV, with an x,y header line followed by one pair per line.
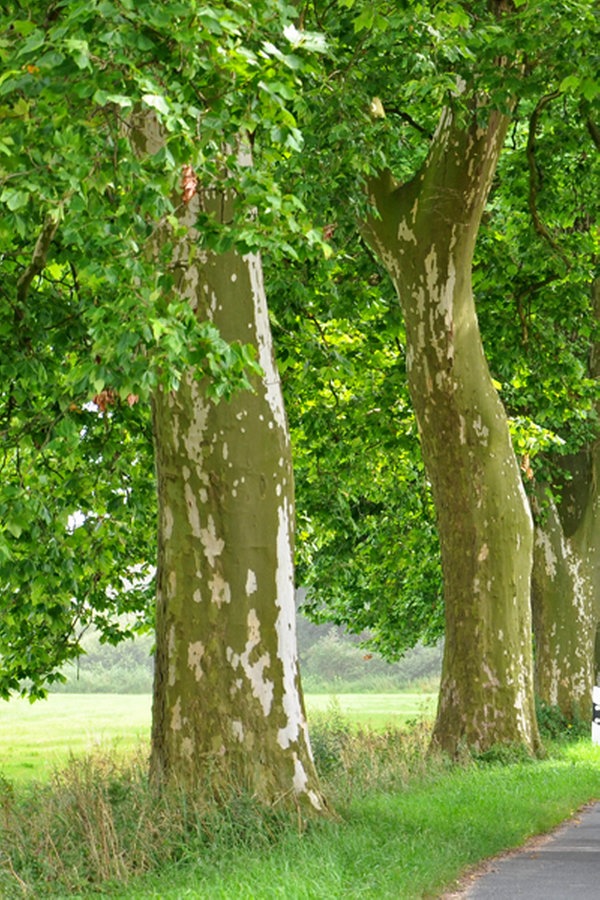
x,y
34,738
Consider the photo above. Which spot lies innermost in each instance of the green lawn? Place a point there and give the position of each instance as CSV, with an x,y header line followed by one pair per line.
x,y
34,738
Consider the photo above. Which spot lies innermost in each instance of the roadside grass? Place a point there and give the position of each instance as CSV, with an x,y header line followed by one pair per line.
x,y
36,737
407,823
407,844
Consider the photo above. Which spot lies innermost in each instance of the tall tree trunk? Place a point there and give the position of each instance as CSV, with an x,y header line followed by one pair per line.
x,y
566,577
425,235
228,711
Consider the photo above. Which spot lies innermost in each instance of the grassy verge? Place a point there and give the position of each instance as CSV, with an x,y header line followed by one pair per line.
x,y
407,824
410,843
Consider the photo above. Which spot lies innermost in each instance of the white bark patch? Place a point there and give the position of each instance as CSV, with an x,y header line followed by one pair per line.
x,y
197,596
483,553
262,687
238,730
168,522
544,543
213,546
220,590
176,719
405,234
300,782
300,779
193,440
195,654
286,634
171,648
492,680
251,583
481,430
263,338
193,511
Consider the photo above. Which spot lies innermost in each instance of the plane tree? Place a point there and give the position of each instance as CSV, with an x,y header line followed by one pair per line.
x,y
132,283
441,85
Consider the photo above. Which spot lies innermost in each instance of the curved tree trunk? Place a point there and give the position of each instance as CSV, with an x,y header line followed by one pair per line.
x,y
425,236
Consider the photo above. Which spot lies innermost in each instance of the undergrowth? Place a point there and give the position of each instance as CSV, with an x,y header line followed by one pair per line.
x,y
96,826
555,725
97,821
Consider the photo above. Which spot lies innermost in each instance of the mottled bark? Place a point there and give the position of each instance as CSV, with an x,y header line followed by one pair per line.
x,y
228,711
566,578
425,236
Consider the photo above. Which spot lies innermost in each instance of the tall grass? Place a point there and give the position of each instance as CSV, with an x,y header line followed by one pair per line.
x,y
407,823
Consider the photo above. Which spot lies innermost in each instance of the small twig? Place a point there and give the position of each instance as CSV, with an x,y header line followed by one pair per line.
x,y
406,117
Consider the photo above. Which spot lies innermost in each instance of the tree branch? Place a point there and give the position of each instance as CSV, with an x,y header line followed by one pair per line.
x,y
534,180
406,117
594,131
38,260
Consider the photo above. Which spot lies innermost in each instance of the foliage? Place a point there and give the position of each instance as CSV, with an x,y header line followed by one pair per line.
x,y
367,546
367,540
91,322
91,318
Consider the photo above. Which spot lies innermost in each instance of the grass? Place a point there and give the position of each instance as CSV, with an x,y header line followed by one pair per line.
x,y
409,844
407,824
35,738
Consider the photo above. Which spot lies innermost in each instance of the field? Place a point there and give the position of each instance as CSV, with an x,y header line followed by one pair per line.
x,y
34,738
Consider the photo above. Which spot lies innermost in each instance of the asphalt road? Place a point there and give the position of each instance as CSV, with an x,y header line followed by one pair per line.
x,y
560,866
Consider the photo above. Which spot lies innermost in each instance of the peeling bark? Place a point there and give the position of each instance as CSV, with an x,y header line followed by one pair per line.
x,y
228,711
425,235
566,578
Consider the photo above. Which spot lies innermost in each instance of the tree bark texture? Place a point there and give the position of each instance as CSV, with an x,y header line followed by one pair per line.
x,y
425,235
566,578
228,710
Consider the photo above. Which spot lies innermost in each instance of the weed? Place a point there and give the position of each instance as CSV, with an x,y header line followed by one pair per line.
x,y
329,734
555,725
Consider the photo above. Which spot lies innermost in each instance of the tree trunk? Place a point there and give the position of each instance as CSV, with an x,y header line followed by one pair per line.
x,y
566,578
564,621
425,235
228,711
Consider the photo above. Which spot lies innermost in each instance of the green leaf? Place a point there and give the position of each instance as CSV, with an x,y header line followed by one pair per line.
x,y
35,40
157,102
14,198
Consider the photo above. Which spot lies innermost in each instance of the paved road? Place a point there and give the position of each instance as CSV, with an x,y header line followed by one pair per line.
x,y
562,866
